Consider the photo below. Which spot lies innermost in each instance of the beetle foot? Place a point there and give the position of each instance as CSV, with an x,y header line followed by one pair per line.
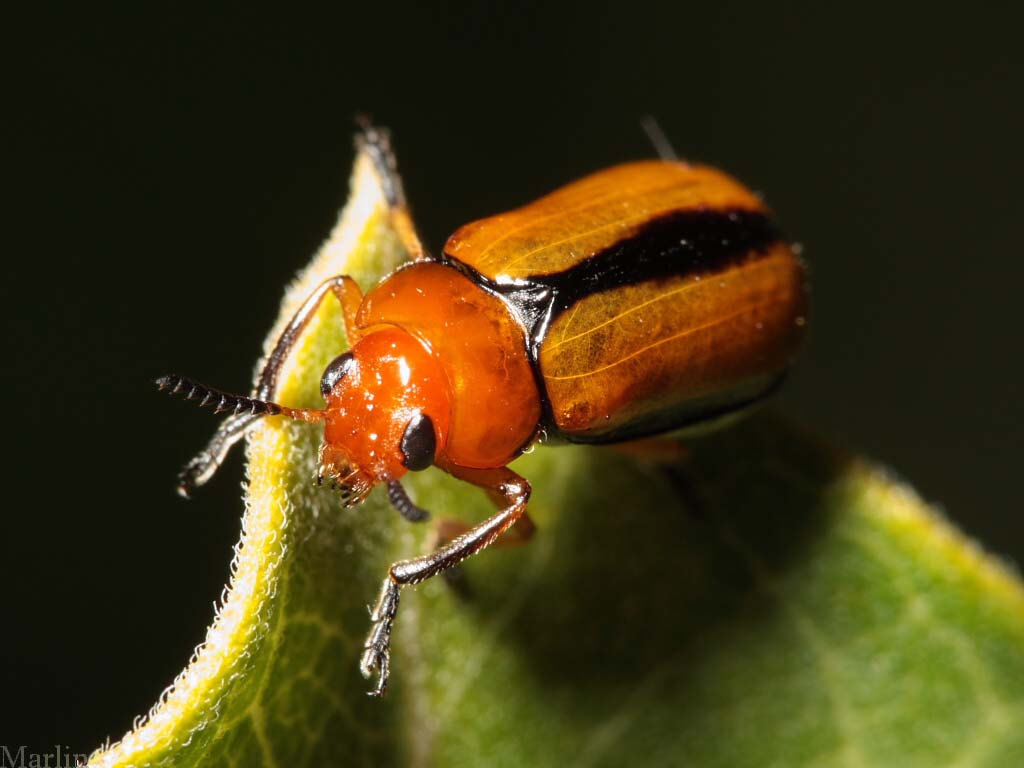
x,y
376,649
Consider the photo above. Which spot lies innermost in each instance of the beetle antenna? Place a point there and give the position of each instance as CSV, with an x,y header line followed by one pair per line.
x,y
225,401
658,138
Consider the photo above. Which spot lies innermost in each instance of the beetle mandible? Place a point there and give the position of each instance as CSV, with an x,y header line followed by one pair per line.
x,y
644,299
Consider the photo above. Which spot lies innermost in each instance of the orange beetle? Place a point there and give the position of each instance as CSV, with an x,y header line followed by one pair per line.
x,y
643,299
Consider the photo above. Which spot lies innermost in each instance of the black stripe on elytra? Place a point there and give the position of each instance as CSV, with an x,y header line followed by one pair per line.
x,y
681,243
677,244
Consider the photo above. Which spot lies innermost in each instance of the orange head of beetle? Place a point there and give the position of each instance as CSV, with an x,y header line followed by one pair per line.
x,y
387,410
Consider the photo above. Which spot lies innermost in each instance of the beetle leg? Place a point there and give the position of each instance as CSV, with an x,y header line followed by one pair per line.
x,y
346,291
376,142
449,529
205,463
350,297
503,485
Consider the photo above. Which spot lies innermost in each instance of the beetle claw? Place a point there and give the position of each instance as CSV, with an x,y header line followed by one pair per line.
x,y
376,651
379,660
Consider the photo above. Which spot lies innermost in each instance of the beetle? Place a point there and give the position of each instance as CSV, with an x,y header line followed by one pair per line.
x,y
649,298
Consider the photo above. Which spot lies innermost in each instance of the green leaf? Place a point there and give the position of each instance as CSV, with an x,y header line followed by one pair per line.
x,y
765,603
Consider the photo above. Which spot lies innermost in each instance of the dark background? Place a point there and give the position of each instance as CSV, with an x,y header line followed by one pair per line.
x,y
177,169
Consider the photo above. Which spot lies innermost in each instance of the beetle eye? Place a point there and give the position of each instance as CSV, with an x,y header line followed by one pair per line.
x,y
419,443
338,367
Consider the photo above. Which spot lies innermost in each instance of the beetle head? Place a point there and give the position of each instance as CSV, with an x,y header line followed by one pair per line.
x,y
387,412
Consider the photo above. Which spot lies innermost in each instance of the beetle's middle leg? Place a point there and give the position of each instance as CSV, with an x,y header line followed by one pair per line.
x,y
502,483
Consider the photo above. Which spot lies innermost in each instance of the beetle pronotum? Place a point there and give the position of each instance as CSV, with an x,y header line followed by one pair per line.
x,y
644,299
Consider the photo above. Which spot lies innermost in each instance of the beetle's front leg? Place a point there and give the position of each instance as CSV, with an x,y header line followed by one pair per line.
x,y
502,484
234,428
